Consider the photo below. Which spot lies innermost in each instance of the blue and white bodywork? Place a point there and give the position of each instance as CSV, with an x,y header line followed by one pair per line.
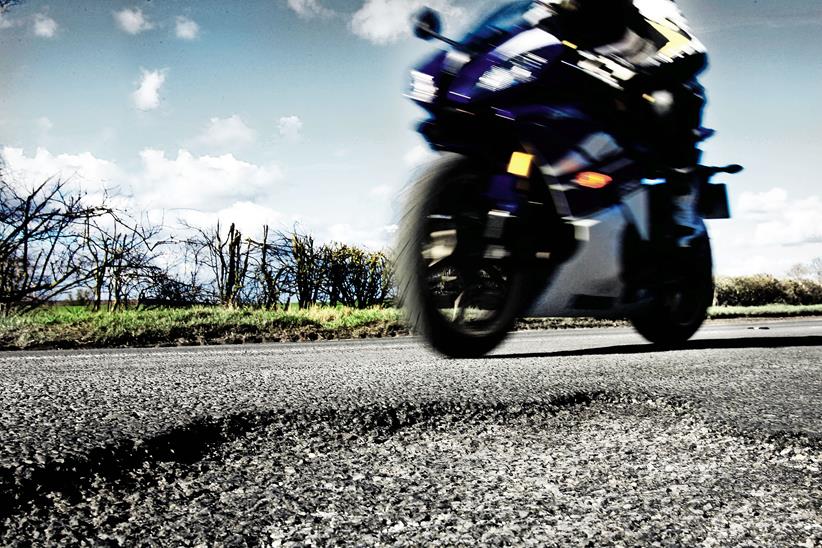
x,y
568,192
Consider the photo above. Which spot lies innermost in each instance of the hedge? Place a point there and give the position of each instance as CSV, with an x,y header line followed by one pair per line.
x,y
764,289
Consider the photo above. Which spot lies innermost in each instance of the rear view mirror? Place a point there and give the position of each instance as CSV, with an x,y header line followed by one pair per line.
x,y
427,24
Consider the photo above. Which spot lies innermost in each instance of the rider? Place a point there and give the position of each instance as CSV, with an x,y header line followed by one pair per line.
x,y
652,37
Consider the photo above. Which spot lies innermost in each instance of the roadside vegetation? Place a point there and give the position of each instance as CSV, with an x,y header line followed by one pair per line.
x,y
765,311
79,327
77,272
802,287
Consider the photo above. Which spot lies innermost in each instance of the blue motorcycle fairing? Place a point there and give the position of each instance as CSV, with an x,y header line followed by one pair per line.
x,y
434,67
496,71
484,108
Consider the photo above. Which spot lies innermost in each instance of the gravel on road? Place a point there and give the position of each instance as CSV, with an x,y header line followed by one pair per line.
x,y
582,438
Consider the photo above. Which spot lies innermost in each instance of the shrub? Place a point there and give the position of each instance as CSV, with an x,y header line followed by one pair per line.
x,y
764,289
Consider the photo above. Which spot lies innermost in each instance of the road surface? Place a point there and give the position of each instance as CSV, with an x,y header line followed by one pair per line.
x,y
580,437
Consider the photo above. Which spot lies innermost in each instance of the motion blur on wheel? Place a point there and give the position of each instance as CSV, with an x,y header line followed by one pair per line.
x,y
537,207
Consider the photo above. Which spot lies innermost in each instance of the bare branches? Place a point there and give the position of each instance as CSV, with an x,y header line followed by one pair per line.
x,y
120,252
269,271
288,267
41,243
356,277
226,256
807,271
54,243
6,4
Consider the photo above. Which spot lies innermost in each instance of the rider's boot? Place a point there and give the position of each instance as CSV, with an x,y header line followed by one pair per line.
x,y
687,226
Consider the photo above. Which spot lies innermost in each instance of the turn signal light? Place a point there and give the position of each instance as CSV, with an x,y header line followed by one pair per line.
x,y
591,179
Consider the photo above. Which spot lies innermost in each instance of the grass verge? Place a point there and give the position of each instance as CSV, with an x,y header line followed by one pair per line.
x,y
767,311
75,327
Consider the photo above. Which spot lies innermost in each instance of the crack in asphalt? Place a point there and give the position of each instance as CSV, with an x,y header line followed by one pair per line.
x,y
113,462
188,444
409,474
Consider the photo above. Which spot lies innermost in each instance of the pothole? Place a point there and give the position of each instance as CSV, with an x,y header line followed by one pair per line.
x,y
594,471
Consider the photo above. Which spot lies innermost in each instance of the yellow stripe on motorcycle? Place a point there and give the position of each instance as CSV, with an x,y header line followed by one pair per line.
x,y
677,42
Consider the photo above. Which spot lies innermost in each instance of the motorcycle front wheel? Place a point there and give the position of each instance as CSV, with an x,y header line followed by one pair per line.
x,y
460,290
680,306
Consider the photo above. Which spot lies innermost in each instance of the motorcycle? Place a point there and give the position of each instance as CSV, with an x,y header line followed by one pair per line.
x,y
537,208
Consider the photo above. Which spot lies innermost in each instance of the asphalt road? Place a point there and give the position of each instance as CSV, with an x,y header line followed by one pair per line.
x,y
569,437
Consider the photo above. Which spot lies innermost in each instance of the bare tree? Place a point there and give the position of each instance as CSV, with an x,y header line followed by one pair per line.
x,y
337,268
816,269
163,287
808,271
121,254
355,277
370,278
53,244
305,269
226,256
799,271
41,242
270,257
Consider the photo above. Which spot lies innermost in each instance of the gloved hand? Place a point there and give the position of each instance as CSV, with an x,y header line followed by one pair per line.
x,y
642,91
640,84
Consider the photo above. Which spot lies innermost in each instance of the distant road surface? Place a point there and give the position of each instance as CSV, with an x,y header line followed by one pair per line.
x,y
585,437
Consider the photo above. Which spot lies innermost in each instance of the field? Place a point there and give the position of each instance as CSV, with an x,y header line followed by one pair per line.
x,y
77,327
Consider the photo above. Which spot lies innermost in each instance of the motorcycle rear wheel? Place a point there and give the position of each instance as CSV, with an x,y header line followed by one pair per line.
x,y
461,303
680,307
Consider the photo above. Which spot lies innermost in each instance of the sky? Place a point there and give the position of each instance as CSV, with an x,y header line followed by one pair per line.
x,y
292,111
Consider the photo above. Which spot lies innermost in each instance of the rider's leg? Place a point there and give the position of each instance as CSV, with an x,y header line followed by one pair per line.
x,y
680,152
687,222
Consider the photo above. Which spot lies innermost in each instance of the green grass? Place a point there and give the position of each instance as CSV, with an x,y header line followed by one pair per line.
x,y
766,311
77,327
73,327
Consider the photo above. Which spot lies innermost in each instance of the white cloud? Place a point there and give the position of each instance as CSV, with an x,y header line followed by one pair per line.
x,y
308,9
147,95
93,174
762,204
386,21
290,127
375,238
186,29
224,133
197,189
780,220
44,26
132,20
248,217
206,183
44,124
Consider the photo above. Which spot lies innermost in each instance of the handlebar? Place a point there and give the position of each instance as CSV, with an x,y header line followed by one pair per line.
x,y
732,169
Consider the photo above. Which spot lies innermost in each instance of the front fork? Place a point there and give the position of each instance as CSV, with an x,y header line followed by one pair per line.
x,y
522,223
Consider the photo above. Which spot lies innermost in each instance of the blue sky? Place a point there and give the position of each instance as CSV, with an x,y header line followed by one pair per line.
x,y
285,111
